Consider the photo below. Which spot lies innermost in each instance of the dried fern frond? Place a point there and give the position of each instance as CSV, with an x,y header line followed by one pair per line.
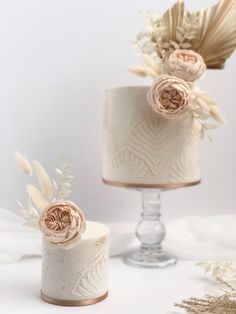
x,y
64,187
44,180
217,33
23,164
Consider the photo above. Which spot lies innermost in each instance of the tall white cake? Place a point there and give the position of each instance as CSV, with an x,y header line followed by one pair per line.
x,y
77,275
144,149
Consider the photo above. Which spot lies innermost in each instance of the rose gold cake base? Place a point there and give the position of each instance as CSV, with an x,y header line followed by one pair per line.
x,y
165,186
73,302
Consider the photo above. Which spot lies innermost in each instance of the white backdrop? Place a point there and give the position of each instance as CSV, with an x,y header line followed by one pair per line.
x,y
56,57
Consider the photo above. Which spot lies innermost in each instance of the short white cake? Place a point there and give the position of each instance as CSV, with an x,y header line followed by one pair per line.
x,y
77,275
143,149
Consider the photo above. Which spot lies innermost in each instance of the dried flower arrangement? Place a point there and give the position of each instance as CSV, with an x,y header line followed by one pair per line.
x,y
48,190
177,48
223,273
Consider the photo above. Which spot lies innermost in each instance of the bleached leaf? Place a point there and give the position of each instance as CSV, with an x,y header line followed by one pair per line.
x,y
59,172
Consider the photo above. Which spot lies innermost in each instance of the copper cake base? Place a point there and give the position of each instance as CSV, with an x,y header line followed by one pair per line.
x,y
73,302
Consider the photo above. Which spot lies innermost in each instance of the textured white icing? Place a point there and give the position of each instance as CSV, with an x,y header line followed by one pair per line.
x,y
78,273
142,147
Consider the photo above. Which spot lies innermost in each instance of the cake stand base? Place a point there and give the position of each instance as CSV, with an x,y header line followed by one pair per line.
x,y
149,258
150,231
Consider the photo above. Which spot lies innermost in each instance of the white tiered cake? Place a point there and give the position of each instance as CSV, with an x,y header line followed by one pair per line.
x,y
142,149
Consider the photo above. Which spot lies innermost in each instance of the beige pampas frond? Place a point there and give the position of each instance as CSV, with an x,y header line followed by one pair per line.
x,y
217,33
23,163
138,70
153,67
37,197
44,180
204,107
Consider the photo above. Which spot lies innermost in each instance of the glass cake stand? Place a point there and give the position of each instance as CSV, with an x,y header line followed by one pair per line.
x,y
150,231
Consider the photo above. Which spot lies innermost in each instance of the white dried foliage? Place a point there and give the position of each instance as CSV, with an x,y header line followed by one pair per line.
x,y
30,214
211,29
23,163
225,301
203,108
44,180
49,189
64,187
152,67
222,270
37,197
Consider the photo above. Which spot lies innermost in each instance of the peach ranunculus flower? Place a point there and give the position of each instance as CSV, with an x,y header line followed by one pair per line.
x,y
185,64
169,96
62,223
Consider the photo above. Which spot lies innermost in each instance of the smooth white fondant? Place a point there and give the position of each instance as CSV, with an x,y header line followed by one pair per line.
x,y
142,147
80,272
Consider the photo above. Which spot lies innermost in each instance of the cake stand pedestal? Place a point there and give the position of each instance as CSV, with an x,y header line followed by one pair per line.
x,y
150,231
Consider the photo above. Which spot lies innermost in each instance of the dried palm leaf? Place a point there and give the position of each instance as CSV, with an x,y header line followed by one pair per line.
x,y
217,33
211,32
174,19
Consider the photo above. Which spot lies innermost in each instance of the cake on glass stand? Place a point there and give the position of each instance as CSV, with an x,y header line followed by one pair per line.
x,y
148,153
152,134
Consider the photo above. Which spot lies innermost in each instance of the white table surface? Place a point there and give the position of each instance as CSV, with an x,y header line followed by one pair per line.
x,y
131,290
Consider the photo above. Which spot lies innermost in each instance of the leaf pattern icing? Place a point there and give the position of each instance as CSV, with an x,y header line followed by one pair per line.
x,y
92,278
145,146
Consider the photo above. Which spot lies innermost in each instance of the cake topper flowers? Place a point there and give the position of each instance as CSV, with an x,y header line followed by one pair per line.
x,y
61,221
177,48
169,96
185,64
